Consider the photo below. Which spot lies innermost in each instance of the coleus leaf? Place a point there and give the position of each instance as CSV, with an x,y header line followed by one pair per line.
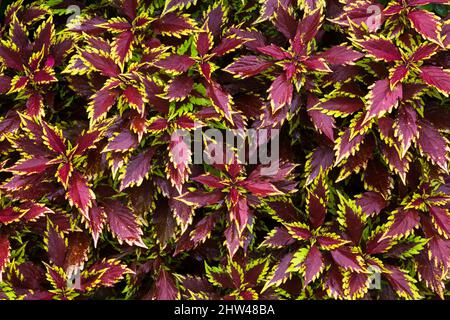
x,y
270,7
345,258
321,159
227,44
402,283
102,63
233,239
426,23
341,106
382,49
103,100
316,202
30,166
179,88
96,221
298,231
122,46
371,203
165,286
350,218
86,141
11,58
436,77
103,273
54,139
313,265
4,253
280,273
135,98
10,214
432,275
172,24
171,5
432,144
78,192
278,238
441,220
175,62
77,251
280,92
309,26
56,245
137,169
382,99
248,66
123,223
124,141
404,221
222,100
339,55
285,23
406,129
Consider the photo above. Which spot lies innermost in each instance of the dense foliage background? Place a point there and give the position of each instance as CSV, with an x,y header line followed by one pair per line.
x,y
91,95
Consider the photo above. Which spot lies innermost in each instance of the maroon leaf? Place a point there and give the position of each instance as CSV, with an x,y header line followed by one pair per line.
x,y
320,160
137,169
432,144
382,49
221,100
11,58
96,219
227,45
342,105
406,127
313,264
281,272
248,66
165,225
55,140
56,246
126,140
425,23
4,253
78,193
29,166
404,222
280,92
103,273
102,63
103,100
285,23
165,287
86,141
175,62
122,223
441,220
371,203
180,88
397,278
171,24
345,258
436,77
383,99
279,237
338,55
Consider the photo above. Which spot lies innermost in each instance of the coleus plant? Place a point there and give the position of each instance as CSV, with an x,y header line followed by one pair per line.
x,y
99,193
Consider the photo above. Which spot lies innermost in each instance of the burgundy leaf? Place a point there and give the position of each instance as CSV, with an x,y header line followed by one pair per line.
x,y
122,223
313,264
248,66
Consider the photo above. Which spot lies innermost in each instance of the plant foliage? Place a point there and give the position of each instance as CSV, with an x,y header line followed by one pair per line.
x,y
90,189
